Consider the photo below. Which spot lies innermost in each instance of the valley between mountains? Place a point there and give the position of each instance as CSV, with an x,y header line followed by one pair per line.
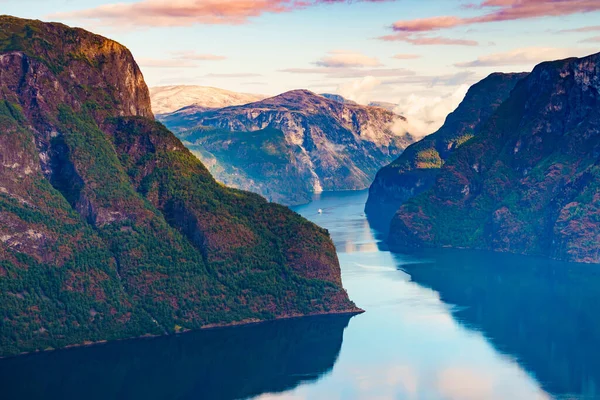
x,y
118,223
290,146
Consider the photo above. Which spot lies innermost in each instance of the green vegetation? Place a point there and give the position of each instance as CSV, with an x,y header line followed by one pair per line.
x,y
116,230
428,159
527,183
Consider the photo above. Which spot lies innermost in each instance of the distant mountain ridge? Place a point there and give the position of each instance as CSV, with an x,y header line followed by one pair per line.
x,y
292,145
166,99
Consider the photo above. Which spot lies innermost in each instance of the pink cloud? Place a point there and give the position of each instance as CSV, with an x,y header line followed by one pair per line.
x,y
343,59
233,75
584,29
595,39
406,56
421,40
427,24
342,73
156,13
180,59
164,63
502,10
193,56
529,57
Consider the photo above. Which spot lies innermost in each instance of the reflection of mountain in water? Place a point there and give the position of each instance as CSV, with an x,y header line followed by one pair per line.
x,y
225,363
380,217
540,311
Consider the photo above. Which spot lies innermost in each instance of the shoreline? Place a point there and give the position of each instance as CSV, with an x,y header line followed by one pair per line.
x,y
234,324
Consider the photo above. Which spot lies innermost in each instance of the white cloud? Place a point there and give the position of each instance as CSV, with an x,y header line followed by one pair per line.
x,y
425,115
358,90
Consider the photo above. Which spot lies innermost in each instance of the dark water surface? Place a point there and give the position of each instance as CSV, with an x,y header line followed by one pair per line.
x,y
439,325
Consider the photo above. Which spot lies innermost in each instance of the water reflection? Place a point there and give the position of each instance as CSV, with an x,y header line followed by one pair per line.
x,y
227,363
439,325
407,345
542,312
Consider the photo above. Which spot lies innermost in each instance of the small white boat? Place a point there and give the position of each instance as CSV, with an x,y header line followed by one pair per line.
x,y
320,211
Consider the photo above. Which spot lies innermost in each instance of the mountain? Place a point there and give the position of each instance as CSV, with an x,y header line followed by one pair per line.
x,y
528,183
338,98
292,145
110,228
384,104
417,167
166,99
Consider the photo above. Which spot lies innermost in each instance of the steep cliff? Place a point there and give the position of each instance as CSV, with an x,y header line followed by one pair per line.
x,y
528,183
111,228
417,167
290,146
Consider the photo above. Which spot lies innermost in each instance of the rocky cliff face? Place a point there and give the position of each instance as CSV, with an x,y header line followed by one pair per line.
x,y
111,228
290,146
417,167
528,183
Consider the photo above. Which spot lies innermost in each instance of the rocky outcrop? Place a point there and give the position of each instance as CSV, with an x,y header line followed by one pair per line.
x,y
293,145
528,183
110,228
338,98
417,167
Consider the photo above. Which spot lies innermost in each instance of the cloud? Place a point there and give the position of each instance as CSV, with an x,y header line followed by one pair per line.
x,y
358,90
234,75
425,115
459,78
344,59
525,56
422,40
595,39
501,10
162,63
351,72
406,56
193,56
181,59
463,383
160,13
426,24
583,29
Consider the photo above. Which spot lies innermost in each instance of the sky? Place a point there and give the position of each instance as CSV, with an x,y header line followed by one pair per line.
x,y
420,54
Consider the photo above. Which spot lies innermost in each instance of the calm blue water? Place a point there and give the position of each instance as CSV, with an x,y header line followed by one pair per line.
x,y
438,325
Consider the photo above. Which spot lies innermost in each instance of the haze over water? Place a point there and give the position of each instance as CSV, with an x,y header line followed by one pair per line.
x,y
438,325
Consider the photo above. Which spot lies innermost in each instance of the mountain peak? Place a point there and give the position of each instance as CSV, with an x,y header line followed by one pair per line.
x,y
97,71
